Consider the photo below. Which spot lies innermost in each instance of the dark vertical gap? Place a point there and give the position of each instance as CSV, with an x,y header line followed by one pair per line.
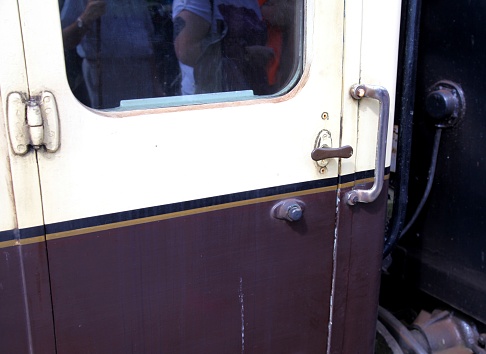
x,y
24,294
47,254
339,202
404,111
17,231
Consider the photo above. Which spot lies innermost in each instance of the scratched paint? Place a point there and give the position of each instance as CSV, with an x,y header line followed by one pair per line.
x,y
334,260
241,296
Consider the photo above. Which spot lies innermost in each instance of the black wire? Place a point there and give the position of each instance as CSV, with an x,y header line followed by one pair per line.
x,y
430,180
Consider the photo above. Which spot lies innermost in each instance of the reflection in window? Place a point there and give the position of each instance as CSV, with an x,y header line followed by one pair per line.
x,y
118,50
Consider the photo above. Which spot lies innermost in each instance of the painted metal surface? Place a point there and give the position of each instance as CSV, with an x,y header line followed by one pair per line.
x,y
137,263
25,305
200,274
25,300
447,246
19,175
357,265
224,281
232,139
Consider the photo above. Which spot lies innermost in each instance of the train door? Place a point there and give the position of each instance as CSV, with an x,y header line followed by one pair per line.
x,y
26,321
210,223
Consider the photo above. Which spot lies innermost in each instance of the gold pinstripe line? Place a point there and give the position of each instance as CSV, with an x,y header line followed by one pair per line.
x,y
22,241
178,214
361,181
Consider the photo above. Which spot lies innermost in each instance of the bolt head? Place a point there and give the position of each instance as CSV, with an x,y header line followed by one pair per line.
x,y
294,212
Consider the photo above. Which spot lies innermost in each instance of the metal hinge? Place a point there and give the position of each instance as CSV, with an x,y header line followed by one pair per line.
x,y
32,122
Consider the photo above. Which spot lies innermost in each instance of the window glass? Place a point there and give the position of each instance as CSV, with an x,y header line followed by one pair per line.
x,y
161,52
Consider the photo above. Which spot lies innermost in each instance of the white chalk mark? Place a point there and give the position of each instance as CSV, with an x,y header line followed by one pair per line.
x,y
241,296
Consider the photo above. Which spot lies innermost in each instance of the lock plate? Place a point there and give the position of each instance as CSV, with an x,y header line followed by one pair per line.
x,y
323,149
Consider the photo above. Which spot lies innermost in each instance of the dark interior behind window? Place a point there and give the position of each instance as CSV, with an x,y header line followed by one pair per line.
x,y
119,51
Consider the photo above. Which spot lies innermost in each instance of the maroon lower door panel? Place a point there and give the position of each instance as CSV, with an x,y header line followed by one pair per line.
x,y
233,280
228,280
225,281
358,268
25,302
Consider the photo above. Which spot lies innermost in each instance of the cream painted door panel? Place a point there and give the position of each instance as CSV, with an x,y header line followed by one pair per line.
x,y
20,189
110,162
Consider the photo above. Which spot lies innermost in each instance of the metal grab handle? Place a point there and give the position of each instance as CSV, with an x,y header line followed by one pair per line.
x,y
381,94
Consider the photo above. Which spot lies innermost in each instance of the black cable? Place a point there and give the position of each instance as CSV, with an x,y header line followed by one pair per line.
x,y
430,180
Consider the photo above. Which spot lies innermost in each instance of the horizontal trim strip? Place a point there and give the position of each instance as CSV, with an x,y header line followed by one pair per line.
x,y
184,213
22,234
190,206
175,210
26,241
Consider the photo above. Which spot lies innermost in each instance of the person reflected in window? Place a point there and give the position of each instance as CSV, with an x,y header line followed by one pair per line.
x,y
280,19
72,35
114,40
221,45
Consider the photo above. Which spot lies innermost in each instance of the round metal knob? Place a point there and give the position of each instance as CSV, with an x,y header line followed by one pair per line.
x,y
441,104
445,103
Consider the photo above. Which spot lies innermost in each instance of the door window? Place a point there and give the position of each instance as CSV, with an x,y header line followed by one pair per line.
x,y
158,53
